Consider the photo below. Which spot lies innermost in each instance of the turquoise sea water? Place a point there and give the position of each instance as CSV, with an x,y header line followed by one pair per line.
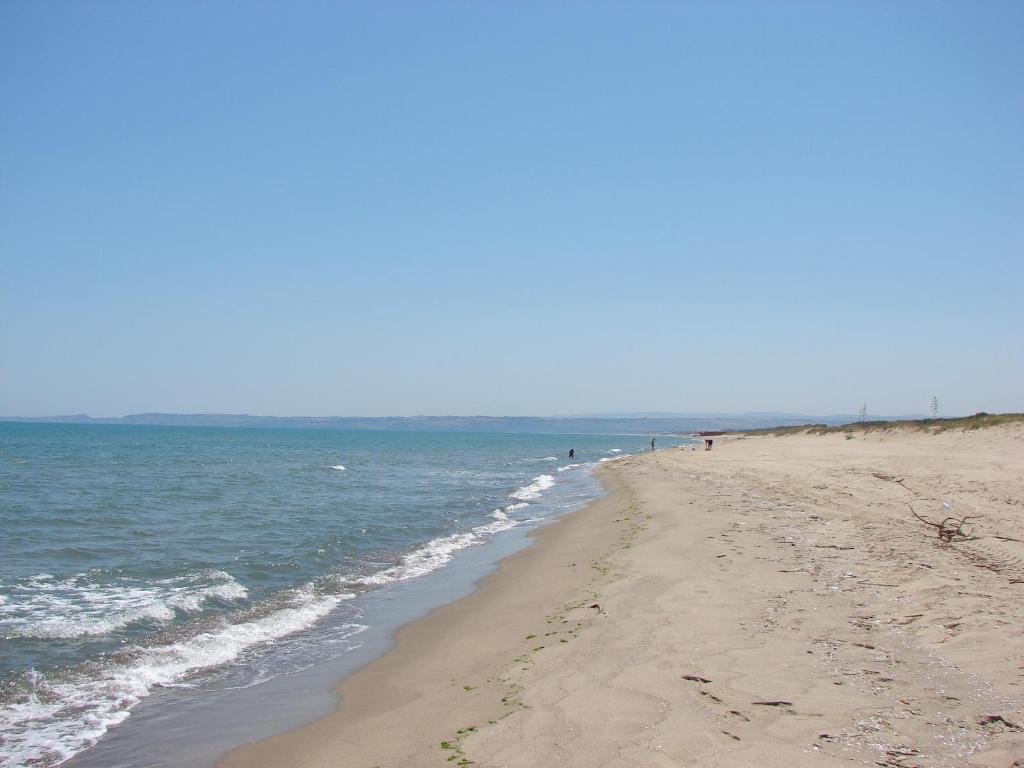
x,y
136,558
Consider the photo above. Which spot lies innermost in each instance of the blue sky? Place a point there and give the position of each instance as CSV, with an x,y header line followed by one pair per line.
x,y
510,208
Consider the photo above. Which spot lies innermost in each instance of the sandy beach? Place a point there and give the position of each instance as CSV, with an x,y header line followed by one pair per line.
x,y
772,602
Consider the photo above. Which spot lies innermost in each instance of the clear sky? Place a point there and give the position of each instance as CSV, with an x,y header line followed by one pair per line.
x,y
342,208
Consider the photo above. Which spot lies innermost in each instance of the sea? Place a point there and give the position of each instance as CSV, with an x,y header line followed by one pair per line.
x,y
150,574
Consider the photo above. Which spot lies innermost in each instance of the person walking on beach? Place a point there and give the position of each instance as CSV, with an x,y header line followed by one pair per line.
x,y
572,453
708,442
652,443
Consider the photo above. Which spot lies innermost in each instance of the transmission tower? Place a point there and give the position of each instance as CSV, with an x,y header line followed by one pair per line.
x,y
935,407
864,412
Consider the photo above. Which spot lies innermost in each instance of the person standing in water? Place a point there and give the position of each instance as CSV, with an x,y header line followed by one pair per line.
x,y
572,453
652,443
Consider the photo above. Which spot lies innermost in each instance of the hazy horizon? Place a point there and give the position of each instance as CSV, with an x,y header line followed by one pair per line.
x,y
550,416
515,209
853,413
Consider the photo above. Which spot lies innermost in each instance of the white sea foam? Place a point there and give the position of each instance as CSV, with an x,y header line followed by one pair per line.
x,y
61,717
422,560
497,527
567,467
437,552
81,606
614,450
229,591
534,489
338,466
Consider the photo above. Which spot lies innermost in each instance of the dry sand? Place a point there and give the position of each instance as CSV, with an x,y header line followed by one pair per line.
x,y
772,602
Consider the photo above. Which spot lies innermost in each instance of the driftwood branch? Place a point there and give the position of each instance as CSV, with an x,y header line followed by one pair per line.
x,y
949,530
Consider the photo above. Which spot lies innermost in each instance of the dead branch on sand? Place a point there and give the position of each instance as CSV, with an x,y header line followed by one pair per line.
x,y
949,530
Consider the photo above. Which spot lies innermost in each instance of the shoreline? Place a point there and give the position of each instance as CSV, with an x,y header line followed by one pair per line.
x,y
450,627
771,602
197,727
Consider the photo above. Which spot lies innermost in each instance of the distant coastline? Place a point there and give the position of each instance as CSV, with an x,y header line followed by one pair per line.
x,y
590,424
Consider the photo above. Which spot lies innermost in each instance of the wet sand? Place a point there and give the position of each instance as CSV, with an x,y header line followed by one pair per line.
x,y
772,602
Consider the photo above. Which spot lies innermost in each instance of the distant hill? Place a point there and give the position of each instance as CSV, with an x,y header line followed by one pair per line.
x,y
591,424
